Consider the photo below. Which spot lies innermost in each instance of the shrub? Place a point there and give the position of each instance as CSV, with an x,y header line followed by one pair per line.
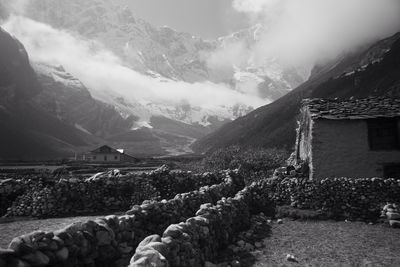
x,y
254,163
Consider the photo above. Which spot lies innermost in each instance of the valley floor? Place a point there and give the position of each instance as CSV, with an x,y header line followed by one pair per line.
x,y
326,243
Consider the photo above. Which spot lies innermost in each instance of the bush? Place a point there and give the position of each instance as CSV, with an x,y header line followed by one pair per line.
x,y
254,163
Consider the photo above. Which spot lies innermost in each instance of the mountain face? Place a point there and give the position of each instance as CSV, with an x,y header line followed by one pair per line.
x,y
164,53
270,78
16,75
143,47
70,101
45,113
25,129
372,71
157,51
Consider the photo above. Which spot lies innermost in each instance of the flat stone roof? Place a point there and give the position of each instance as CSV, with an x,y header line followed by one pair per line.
x,y
342,109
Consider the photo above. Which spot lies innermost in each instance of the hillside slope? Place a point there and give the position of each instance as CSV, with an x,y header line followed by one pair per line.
x,y
374,71
25,129
46,113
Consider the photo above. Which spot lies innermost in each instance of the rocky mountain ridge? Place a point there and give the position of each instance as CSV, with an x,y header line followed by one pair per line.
x,y
164,53
371,71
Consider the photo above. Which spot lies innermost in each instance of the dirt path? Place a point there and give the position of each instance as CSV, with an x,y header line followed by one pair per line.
x,y
329,244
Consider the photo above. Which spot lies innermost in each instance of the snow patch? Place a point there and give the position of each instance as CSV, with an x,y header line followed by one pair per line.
x,y
81,128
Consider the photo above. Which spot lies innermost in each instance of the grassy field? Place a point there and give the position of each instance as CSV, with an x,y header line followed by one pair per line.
x,y
329,244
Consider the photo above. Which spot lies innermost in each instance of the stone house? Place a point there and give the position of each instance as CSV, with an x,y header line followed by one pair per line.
x,y
106,154
357,138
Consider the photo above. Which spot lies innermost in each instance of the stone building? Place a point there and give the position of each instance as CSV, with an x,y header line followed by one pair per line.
x,y
357,138
106,154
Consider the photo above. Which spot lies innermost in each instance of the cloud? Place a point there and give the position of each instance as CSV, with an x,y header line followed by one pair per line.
x,y
15,6
303,32
102,71
254,6
229,55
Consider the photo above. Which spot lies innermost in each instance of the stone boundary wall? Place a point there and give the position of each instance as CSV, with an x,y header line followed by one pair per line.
x,y
341,198
45,196
111,241
201,238
10,189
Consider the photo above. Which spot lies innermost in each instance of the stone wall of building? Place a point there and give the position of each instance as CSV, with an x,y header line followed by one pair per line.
x,y
340,148
304,137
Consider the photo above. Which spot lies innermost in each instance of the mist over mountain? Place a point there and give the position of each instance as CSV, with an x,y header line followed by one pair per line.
x,y
114,78
26,129
372,71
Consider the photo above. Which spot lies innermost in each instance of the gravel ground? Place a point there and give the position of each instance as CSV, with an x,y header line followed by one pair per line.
x,y
9,230
329,244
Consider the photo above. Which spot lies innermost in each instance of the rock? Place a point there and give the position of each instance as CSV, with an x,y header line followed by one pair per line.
x,y
290,257
394,223
241,243
173,230
6,253
20,247
19,263
37,236
107,252
235,263
62,254
209,264
393,215
37,259
279,221
103,238
248,247
258,244
149,239
148,258
15,244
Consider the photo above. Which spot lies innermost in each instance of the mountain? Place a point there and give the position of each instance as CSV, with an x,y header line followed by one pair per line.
x,y
154,51
45,113
70,101
26,129
370,71
270,79
164,53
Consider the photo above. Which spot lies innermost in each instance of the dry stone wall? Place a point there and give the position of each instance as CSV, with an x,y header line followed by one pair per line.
x,y
46,196
344,198
10,189
111,241
201,238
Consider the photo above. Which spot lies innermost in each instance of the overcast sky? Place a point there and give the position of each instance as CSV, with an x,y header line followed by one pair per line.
x,y
204,18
